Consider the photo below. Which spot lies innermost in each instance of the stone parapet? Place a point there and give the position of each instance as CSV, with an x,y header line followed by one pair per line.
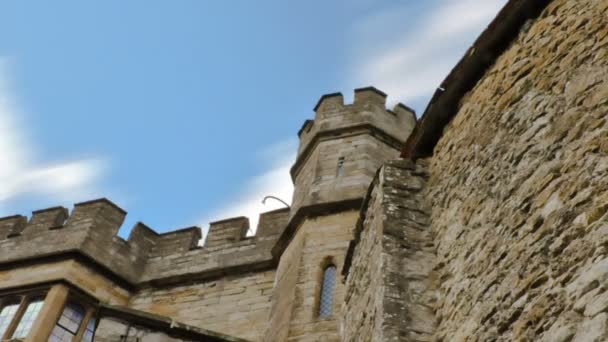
x,y
367,114
90,232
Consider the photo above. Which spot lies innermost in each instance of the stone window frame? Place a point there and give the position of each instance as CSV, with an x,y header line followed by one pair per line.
x,y
25,296
325,263
23,299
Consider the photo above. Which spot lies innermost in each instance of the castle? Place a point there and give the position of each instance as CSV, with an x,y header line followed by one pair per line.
x,y
484,220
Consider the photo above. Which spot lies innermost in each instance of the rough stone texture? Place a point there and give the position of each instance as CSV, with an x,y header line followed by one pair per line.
x,y
519,189
364,134
146,256
338,157
283,295
90,224
325,241
237,305
318,180
318,243
390,289
222,253
79,275
227,232
503,236
368,108
225,285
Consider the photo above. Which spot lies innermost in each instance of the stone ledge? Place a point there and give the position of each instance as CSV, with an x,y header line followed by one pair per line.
x,y
164,324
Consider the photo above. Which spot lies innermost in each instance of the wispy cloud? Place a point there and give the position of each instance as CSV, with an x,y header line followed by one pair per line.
x,y
275,181
20,173
408,55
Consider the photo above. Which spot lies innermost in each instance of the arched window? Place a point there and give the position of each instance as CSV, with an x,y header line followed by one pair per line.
x,y
69,323
327,291
27,320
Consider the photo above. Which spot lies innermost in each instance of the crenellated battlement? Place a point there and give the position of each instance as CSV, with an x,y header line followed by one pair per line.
x,y
90,232
227,231
368,111
368,96
341,149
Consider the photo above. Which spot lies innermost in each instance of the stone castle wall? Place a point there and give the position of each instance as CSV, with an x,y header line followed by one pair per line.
x,y
363,134
519,189
224,285
318,243
390,290
90,233
231,301
237,305
284,292
318,181
324,241
339,154
128,325
501,235
232,284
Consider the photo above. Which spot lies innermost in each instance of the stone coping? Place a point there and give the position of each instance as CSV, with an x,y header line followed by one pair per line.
x,y
464,76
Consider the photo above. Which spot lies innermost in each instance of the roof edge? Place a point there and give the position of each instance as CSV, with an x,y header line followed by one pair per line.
x,y
491,44
162,323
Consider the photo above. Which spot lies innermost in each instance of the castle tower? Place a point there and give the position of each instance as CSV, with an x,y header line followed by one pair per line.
x,y
338,157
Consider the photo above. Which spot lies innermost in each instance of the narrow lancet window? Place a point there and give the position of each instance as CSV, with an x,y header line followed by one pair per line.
x,y
340,167
327,291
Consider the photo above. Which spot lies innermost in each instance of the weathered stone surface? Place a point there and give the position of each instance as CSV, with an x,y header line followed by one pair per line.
x,y
228,284
237,305
340,152
318,242
502,235
364,134
390,288
85,278
519,189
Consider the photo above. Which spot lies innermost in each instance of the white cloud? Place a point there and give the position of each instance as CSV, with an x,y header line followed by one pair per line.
x,y
20,174
275,181
409,58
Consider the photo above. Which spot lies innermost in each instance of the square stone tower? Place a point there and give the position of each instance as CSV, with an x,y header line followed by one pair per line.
x,y
339,154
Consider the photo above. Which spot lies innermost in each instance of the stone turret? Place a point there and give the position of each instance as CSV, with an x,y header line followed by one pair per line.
x,y
343,147
340,152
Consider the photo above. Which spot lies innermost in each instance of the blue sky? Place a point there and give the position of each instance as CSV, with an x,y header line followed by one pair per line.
x,y
184,112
